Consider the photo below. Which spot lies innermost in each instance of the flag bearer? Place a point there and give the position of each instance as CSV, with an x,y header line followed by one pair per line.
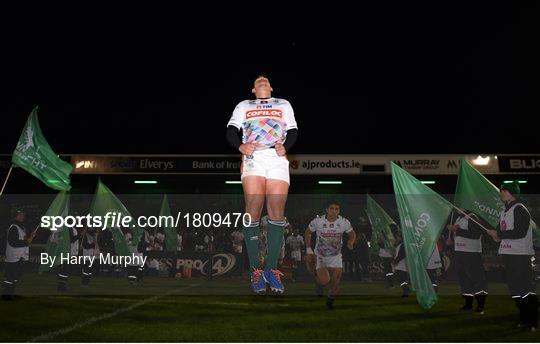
x,y
16,254
468,259
516,249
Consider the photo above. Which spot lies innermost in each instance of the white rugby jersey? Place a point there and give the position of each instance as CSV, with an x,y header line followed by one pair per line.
x,y
295,242
263,121
329,235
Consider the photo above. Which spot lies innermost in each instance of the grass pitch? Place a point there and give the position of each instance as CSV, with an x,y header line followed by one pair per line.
x,y
202,310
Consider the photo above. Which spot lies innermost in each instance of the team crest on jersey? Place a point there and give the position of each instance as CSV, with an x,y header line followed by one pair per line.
x,y
264,113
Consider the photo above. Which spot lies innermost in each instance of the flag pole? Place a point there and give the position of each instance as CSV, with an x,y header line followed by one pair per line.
x,y
451,234
36,229
470,218
5,181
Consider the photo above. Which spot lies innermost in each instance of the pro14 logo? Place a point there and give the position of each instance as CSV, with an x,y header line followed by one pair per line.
x,y
221,264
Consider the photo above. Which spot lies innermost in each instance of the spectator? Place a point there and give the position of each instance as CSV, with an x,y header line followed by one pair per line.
x,y
152,267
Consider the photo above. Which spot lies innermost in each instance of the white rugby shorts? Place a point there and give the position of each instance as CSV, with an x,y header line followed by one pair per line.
x,y
329,262
266,163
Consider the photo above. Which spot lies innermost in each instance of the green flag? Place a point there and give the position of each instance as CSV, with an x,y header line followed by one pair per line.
x,y
380,224
59,240
34,154
477,194
423,214
104,202
170,230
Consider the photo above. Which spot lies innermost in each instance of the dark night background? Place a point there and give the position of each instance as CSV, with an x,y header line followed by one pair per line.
x,y
393,79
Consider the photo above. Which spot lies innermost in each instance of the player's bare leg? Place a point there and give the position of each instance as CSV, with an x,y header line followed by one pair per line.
x,y
322,278
335,279
276,197
311,268
254,190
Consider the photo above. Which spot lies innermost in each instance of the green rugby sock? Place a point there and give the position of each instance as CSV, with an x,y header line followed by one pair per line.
x,y
251,237
275,239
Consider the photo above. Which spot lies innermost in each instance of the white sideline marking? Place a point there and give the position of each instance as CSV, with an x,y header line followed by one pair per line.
x,y
47,336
